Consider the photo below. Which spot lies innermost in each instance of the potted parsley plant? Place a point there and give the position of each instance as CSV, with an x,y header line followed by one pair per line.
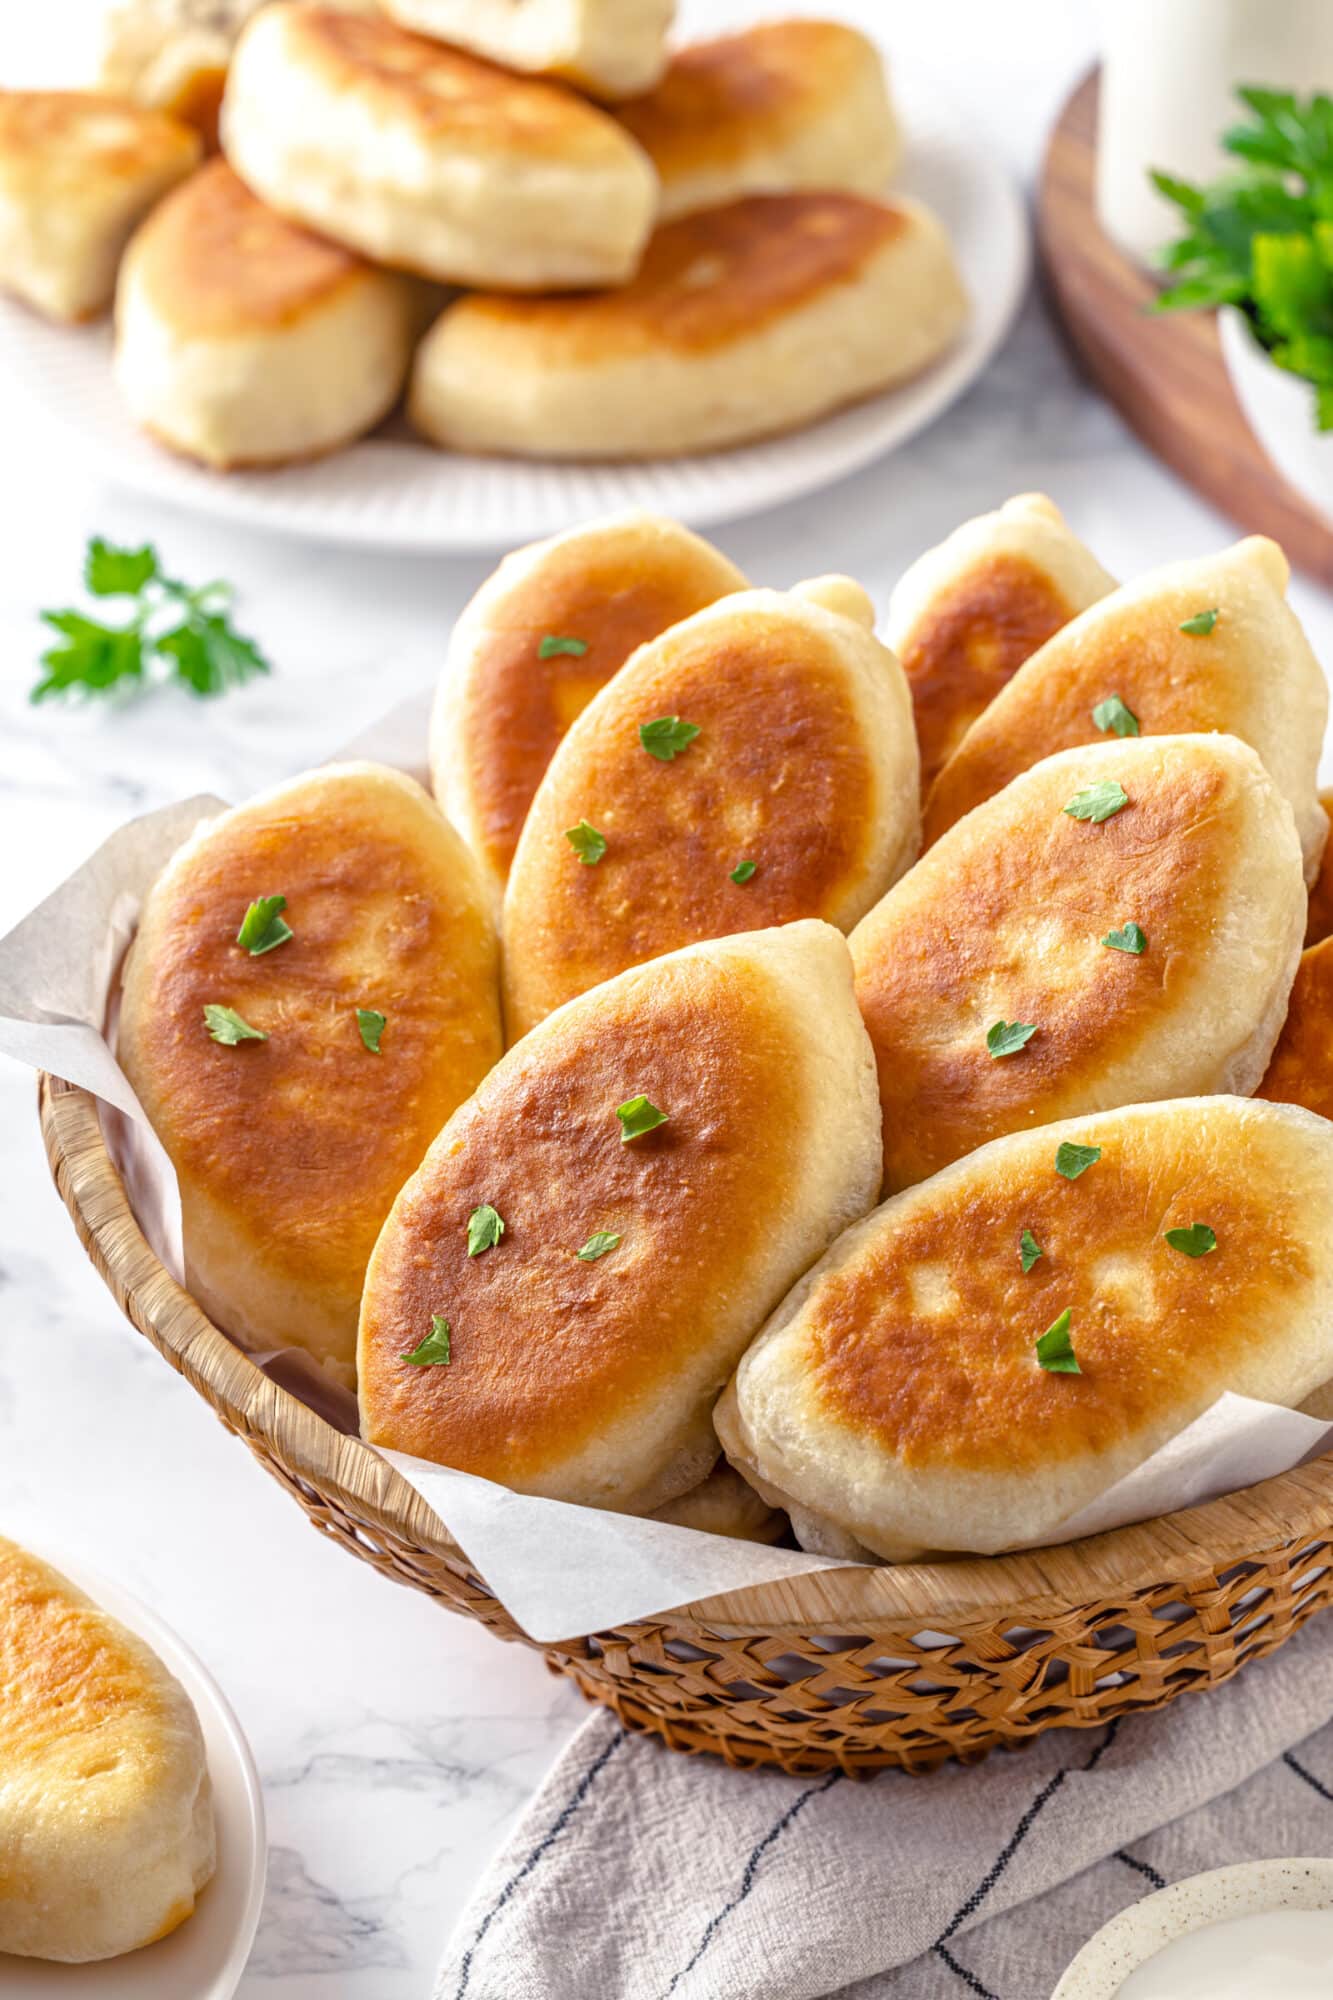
x,y
1258,244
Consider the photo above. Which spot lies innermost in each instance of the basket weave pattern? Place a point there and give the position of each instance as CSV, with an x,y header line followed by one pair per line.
x,y
852,1670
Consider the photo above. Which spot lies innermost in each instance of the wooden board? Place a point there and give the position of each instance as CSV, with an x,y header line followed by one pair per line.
x,y
1165,374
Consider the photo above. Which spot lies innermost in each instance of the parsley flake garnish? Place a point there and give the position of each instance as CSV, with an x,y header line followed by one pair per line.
x,y
1072,1160
1113,715
434,1349
262,929
555,643
225,1025
597,1246
1055,1349
1128,938
1196,1241
1029,1250
586,842
1201,624
372,1026
667,737
1006,1038
1098,802
185,633
485,1227
743,871
637,1116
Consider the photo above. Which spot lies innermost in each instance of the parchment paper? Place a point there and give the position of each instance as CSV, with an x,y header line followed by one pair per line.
x,y
559,1570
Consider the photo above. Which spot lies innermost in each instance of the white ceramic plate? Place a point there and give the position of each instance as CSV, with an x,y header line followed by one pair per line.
x,y
205,1958
391,492
1249,1889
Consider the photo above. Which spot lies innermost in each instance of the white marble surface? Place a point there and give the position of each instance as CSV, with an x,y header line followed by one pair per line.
x,y
396,1743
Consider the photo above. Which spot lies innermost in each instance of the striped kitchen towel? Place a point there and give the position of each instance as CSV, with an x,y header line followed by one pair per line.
x,y
639,1874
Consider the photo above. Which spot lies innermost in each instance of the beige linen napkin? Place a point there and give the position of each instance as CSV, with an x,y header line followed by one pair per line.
x,y
639,1874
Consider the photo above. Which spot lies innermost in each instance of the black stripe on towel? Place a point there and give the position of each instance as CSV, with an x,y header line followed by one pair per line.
x,y
1309,1777
1018,1836
969,1979
548,1839
749,1874
1144,1868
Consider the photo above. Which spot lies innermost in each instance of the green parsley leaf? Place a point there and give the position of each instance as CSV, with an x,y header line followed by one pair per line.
x,y
597,1246
109,571
434,1349
558,642
638,1116
372,1025
1113,715
95,657
1261,236
485,1227
744,871
1098,802
1201,624
586,842
1128,938
1055,1349
262,929
1006,1038
1196,1241
1072,1160
225,1025
1029,1250
667,737
209,657
185,630
1183,193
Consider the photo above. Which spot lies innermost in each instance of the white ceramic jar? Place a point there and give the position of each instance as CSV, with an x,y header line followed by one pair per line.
x,y
1169,73
1279,408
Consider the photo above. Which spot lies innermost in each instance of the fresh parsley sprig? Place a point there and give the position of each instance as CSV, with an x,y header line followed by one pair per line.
x,y
175,632
1261,237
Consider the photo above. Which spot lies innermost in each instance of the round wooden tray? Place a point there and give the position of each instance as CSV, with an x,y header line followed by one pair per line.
x,y
854,1669
1165,374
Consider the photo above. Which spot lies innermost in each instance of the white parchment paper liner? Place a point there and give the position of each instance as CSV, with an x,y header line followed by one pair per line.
x,y
559,1570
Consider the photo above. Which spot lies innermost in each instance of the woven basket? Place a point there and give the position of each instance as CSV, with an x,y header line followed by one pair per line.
x,y
853,1669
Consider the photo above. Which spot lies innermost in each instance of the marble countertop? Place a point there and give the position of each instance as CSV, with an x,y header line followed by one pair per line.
x,y
397,1743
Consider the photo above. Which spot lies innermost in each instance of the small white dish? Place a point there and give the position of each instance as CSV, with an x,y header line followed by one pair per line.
x,y
391,491
1248,1889
205,1958
1279,409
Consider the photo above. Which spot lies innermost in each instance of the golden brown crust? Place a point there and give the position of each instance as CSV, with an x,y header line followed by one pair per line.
x,y
106,1820
927,1347
1004,919
782,774
301,1142
69,1676
1320,922
61,137
972,640
706,280
721,98
1301,1071
216,262
199,100
443,92
1132,644
518,706
545,1346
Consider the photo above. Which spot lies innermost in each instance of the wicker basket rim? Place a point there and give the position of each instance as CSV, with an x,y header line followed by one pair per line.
x,y
1024,1589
